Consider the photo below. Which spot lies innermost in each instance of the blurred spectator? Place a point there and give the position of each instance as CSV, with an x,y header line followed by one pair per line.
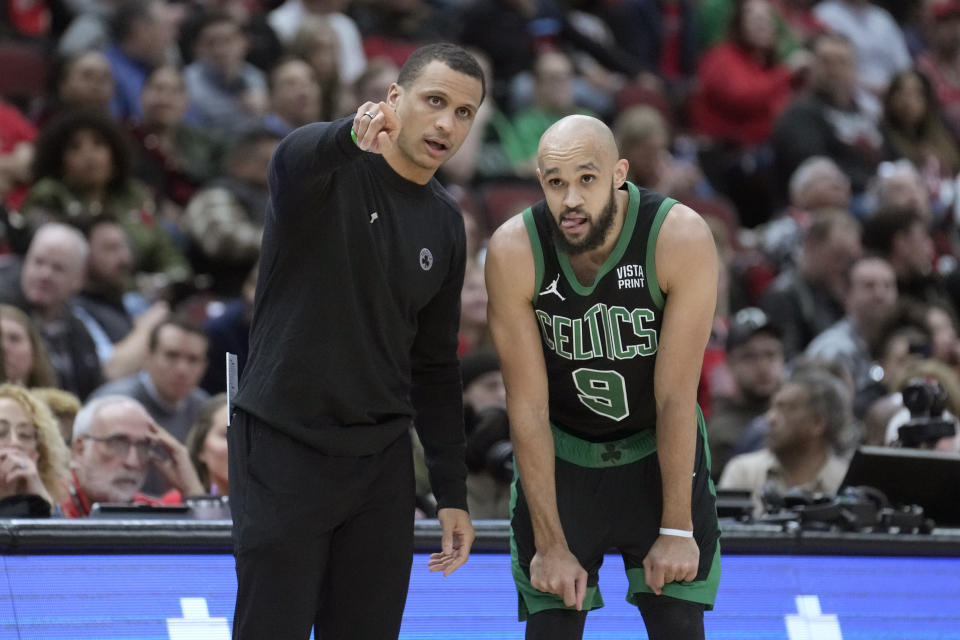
x,y
900,236
755,435
806,418
945,340
742,89
51,273
207,444
552,100
83,80
879,44
89,26
643,137
506,32
755,361
796,23
806,299
489,453
64,405
224,221
715,378
940,62
833,118
294,96
83,170
660,36
25,359
375,81
171,156
513,33
912,129
227,93
871,294
289,16
17,136
263,46
816,185
105,303
899,186
167,386
33,456
115,444
901,339
143,34
474,330
316,42
228,332
395,28
33,22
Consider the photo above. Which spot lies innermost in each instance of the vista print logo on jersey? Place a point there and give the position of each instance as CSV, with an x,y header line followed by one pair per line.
x,y
426,259
630,276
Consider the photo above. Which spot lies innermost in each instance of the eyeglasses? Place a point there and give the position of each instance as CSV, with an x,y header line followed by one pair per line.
x,y
119,446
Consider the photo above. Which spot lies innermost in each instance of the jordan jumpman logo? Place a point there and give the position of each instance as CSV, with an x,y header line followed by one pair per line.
x,y
553,289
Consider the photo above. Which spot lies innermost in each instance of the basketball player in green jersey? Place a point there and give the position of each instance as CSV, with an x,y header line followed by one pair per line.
x,y
601,301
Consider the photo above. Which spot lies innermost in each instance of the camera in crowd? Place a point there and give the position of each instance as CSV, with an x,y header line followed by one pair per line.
x,y
857,509
926,400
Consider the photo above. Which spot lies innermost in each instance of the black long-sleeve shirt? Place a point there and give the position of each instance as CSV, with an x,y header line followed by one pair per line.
x,y
354,330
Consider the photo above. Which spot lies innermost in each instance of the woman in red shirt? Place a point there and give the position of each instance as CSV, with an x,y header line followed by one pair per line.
x,y
741,90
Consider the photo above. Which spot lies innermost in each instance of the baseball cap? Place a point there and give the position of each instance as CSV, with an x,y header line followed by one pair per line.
x,y
939,9
747,323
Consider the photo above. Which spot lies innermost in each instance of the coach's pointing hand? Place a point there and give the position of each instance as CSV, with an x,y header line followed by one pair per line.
x,y
377,126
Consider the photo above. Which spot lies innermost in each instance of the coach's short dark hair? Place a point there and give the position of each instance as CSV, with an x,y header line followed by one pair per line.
x,y
451,55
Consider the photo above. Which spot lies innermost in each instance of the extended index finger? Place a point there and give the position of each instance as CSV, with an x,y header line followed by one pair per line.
x,y
653,576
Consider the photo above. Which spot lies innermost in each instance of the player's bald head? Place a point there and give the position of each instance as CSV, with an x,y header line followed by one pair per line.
x,y
578,135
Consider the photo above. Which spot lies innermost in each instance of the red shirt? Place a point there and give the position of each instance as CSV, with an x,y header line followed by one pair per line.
x,y
738,97
14,129
78,506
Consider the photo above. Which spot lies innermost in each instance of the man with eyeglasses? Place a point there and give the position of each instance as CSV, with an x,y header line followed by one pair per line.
x,y
115,443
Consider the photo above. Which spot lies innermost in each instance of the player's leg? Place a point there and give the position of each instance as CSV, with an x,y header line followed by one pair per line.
x,y
669,618
581,505
370,555
683,604
278,542
556,624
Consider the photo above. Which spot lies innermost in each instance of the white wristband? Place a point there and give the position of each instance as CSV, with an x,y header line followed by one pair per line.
x,y
680,533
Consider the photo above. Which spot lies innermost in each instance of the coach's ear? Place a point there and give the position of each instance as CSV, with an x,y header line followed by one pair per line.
x,y
620,171
393,95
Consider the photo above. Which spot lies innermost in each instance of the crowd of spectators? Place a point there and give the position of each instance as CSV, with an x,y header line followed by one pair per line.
x,y
820,139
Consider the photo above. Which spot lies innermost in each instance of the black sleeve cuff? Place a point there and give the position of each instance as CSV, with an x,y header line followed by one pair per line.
x,y
440,427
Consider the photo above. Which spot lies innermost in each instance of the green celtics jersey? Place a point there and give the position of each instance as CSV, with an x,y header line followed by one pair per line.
x,y
600,339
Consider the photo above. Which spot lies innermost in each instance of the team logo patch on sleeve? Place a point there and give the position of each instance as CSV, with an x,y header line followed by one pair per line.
x,y
426,259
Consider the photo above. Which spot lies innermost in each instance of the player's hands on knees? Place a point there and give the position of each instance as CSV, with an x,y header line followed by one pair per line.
x,y
671,559
377,126
557,571
457,538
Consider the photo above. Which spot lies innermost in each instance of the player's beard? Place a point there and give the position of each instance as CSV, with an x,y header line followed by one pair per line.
x,y
598,229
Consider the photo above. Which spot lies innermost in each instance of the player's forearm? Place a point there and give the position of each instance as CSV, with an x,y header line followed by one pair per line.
x,y
533,449
676,449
